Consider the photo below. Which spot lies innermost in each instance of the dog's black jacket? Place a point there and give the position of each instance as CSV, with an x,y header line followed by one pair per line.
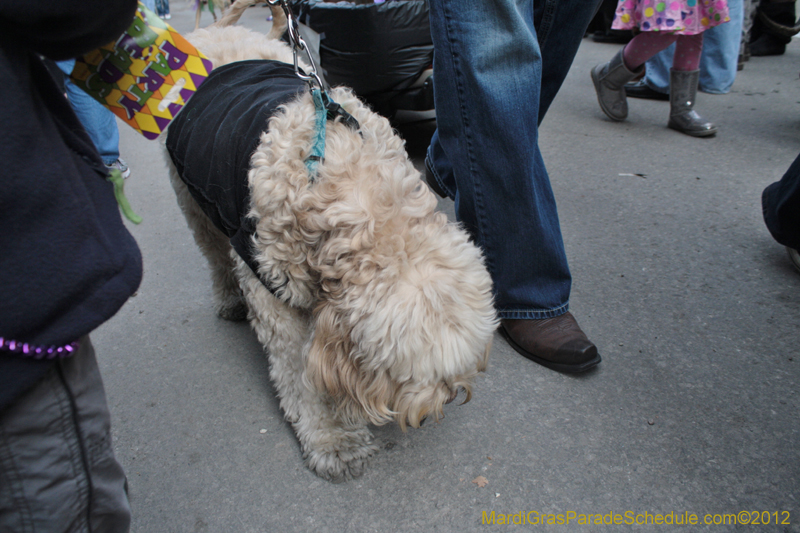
x,y
213,137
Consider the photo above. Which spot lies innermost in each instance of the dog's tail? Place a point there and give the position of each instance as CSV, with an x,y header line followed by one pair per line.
x,y
234,12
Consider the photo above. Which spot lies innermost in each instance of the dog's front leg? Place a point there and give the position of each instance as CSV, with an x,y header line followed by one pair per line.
x,y
335,447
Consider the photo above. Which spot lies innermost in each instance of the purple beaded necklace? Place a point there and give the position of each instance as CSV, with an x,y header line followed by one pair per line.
x,y
38,352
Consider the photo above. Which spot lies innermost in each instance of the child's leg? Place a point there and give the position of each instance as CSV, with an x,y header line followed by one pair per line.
x,y
610,78
687,52
683,79
646,45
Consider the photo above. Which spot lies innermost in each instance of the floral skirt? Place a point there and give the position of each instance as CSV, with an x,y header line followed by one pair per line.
x,y
684,17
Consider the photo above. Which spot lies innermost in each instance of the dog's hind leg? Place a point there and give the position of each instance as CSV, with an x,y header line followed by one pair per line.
x,y
228,299
333,447
198,10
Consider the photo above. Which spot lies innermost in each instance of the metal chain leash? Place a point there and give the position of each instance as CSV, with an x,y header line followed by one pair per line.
x,y
298,43
325,108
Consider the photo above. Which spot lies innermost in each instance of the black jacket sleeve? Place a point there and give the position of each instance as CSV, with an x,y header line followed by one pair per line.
x,y
67,262
64,29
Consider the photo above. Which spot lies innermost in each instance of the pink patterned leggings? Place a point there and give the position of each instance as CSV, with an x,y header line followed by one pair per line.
x,y
648,43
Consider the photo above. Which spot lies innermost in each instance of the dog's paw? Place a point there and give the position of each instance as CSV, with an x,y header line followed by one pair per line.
x,y
234,310
341,465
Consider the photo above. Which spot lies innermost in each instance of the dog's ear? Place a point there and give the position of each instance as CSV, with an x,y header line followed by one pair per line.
x,y
332,367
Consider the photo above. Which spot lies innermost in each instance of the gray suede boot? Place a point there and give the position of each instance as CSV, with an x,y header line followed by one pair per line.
x,y
609,82
682,92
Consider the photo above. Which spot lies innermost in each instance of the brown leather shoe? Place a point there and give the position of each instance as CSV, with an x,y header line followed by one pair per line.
x,y
557,343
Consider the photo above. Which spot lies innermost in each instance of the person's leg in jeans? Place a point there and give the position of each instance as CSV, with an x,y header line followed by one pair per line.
x,y
720,59
150,4
492,86
57,466
99,122
162,6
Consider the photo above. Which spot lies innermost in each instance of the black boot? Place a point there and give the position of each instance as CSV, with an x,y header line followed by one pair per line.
x,y
773,29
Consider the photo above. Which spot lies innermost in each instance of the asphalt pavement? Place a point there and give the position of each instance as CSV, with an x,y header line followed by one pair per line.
x,y
694,411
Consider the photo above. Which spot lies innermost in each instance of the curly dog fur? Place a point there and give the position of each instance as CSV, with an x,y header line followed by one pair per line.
x,y
385,308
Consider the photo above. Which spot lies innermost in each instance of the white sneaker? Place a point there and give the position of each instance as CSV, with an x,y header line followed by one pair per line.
x,y
794,255
122,166
167,16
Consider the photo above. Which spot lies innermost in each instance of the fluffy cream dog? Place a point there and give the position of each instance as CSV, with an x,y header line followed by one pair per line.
x,y
384,309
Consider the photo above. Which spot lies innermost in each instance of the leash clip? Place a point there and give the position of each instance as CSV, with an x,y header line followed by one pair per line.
x,y
325,108
298,43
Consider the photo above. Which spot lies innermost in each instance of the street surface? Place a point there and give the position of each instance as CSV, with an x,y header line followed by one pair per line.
x,y
695,409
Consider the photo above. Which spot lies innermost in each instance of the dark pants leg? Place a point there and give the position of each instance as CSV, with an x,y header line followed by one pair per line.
x,y
780,202
57,467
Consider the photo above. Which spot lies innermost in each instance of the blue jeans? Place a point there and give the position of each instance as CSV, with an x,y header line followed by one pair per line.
x,y
497,67
162,7
97,120
718,62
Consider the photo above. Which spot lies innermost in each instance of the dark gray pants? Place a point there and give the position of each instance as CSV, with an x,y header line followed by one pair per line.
x,y
57,469
780,202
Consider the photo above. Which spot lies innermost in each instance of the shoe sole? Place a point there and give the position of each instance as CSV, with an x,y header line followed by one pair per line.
x,y
794,257
701,133
560,367
124,173
646,94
